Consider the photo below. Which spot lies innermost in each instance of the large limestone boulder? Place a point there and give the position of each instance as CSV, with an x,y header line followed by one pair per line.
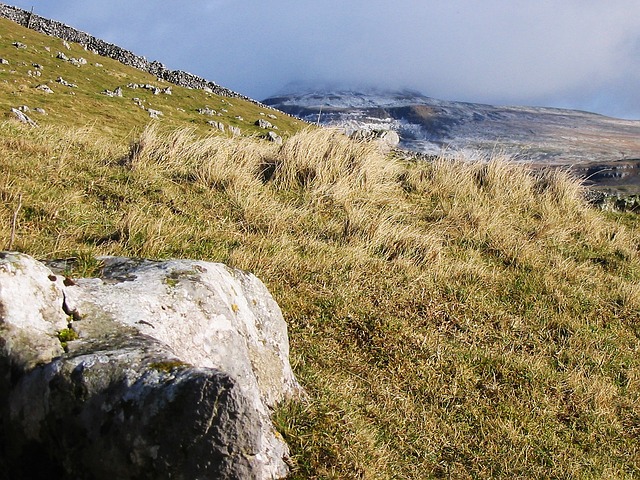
x,y
174,374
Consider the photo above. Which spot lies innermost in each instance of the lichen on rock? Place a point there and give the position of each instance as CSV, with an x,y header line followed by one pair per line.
x,y
174,373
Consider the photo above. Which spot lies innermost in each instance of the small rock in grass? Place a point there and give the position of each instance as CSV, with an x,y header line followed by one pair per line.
x,y
274,137
23,117
263,123
45,88
62,81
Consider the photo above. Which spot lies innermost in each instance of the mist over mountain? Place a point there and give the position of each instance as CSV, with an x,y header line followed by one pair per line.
x,y
603,148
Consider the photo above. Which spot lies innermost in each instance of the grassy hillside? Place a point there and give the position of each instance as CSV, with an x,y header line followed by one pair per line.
x,y
86,104
447,319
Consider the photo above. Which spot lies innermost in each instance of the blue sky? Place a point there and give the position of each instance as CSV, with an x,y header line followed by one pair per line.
x,y
582,54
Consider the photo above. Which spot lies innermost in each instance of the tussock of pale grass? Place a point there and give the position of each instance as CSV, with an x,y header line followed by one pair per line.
x,y
215,161
327,162
448,319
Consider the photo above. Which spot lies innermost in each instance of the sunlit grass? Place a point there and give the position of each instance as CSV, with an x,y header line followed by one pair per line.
x,y
86,104
447,319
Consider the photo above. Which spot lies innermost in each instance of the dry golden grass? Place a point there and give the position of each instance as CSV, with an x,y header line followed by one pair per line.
x,y
450,319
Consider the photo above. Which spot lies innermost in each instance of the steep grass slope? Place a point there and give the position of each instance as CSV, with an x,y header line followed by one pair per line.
x,y
36,62
447,319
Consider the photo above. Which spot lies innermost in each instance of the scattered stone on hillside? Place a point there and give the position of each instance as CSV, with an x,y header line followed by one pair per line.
x,y
238,117
207,90
274,137
154,113
66,45
138,102
272,116
36,73
23,117
44,88
207,111
97,64
4,61
24,108
62,56
263,123
19,45
116,93
613,202
78,62
216,125
41,111
37,66
152,88
235,131
62,81
168,370
48,49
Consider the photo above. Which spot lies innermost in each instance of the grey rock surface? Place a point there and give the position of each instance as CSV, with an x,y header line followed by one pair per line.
x,y
263,123
44,88
386,139
274,137
174,374
23,117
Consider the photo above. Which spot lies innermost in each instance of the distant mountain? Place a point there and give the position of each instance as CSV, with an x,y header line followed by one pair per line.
x,y
605,148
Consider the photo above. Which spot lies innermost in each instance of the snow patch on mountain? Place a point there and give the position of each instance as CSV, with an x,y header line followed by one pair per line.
x,y
428,125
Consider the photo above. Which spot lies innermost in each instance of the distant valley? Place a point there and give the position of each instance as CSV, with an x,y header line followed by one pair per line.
x,y
603,150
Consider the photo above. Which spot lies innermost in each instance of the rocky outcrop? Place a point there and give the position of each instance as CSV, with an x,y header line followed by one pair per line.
x,y
274,137
153,370
386,139
263,123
